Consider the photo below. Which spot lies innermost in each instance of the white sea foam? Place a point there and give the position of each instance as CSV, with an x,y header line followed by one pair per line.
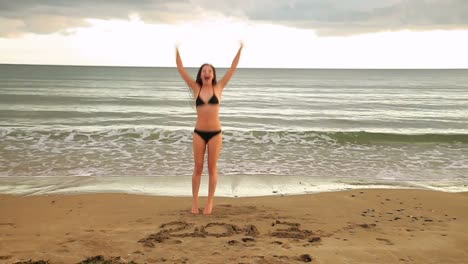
x,y
232,186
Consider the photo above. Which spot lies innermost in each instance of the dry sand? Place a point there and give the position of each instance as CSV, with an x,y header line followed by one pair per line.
x,y
356,226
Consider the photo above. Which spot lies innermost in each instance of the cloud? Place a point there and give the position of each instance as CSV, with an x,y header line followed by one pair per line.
x,y
51,16
327,17
338,17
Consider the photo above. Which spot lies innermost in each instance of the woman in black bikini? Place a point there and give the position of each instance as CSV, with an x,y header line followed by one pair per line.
x,y
208,127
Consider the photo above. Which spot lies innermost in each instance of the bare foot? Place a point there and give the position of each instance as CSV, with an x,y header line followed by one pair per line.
x,y
208,208
195,208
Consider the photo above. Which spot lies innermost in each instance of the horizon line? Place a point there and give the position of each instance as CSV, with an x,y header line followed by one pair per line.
x,y
266,68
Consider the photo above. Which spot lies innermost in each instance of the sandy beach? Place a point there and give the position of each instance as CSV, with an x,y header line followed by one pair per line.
x,y
355,226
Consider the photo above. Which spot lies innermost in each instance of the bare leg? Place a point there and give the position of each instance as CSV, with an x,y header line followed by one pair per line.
x,y
214,150
199,148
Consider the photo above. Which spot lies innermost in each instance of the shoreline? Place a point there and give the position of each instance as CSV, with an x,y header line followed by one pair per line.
x,y
228,186
352,226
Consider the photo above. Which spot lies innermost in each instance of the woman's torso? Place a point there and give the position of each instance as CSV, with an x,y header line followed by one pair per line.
x,y
208,112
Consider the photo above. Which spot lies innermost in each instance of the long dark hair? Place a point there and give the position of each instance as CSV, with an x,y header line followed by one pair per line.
x,y
199,80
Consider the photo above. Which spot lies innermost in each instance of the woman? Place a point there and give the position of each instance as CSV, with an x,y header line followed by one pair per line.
x,y
207,133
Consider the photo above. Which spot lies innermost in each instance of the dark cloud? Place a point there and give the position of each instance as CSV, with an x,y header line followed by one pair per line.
x,y
335,17
49,16
339,17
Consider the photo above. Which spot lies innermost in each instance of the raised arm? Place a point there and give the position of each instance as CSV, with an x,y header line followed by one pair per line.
x,y
180,67
223,82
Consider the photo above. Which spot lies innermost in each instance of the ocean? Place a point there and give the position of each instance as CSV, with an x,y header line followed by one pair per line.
x,y
285,131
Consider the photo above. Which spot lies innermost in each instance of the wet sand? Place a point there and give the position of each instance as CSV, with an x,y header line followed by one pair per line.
x,y
356,226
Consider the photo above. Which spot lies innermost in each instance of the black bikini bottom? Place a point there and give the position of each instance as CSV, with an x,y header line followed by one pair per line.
x,y
207,135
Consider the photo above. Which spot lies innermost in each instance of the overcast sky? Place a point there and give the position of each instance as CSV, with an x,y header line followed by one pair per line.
x,y
280,33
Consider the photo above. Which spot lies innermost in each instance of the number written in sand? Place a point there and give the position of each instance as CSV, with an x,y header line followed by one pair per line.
x,y
184,229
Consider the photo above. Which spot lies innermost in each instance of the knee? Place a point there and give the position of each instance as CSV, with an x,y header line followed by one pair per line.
x,y
212,170
198,169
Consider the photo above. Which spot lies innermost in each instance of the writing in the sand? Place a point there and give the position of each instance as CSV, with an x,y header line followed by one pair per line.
x,y
184,229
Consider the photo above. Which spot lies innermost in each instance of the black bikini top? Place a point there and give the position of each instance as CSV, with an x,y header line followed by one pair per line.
x,y
213,100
